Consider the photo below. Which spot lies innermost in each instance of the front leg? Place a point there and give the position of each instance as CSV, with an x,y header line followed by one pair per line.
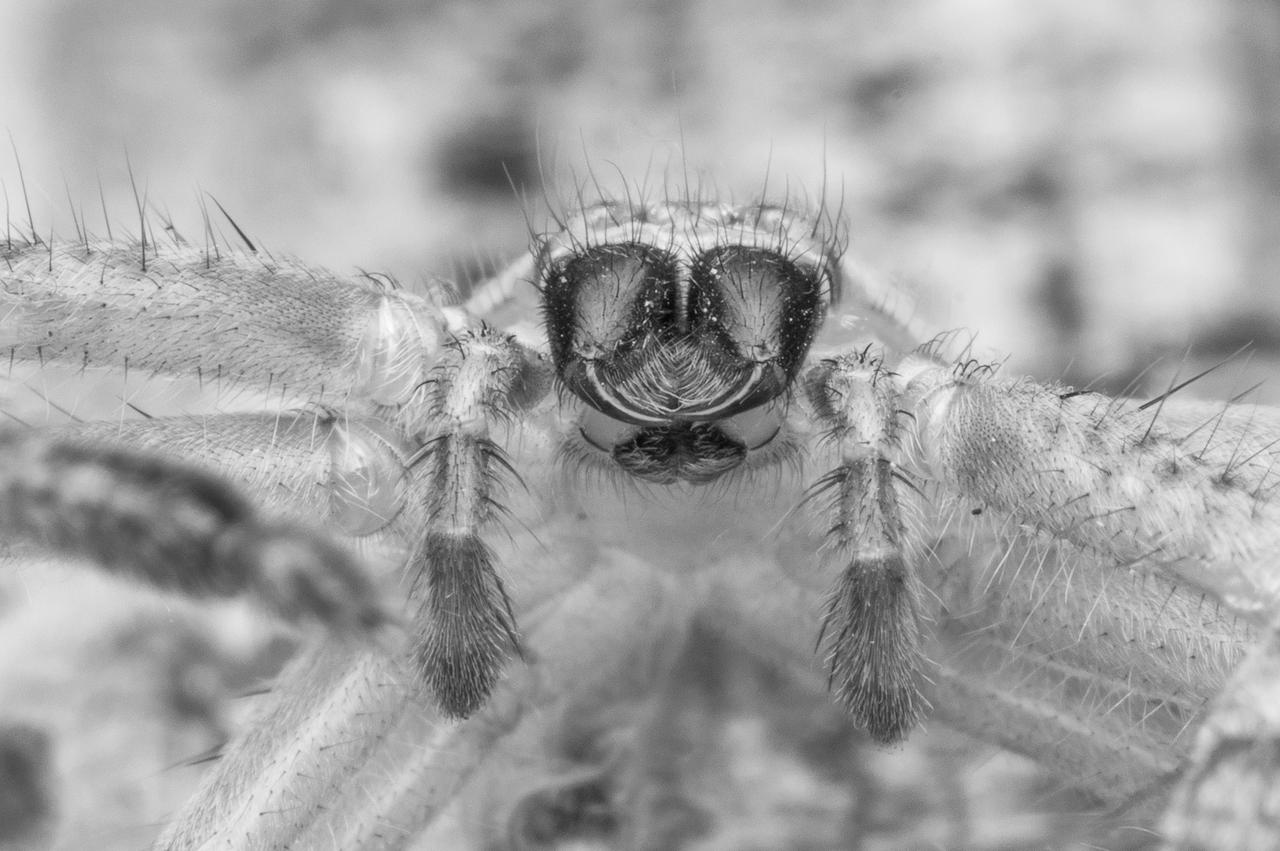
x,y
871,620
465,627
1179,488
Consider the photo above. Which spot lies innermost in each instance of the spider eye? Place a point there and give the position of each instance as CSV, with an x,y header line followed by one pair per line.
x,y
766,304
650,337
602,298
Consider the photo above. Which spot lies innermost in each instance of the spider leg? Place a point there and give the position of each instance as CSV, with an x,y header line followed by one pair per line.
x,y
176,527
1097,673
1227,798
344,719
1182,495
347,468
248,318
1141,487
465,625
871,621
227,315
1084,550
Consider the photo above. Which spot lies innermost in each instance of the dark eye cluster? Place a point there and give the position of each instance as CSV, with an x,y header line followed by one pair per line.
x,y
677,336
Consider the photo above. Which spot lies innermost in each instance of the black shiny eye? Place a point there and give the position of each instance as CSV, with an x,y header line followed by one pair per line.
x,y
766,306
677,320
606,298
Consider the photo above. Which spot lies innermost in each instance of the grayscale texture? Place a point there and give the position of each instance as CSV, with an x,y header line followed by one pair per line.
x,y
1086,188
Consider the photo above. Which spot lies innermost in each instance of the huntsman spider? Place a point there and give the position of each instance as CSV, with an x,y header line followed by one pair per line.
x,y
672,422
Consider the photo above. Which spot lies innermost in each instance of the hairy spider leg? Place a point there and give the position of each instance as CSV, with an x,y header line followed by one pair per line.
x,y
465,628
871,621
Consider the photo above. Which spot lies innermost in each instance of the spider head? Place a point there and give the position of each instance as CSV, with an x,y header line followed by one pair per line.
x,y
679,326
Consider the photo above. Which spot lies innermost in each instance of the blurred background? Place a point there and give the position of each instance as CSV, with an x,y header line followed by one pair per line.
x,y
1092,187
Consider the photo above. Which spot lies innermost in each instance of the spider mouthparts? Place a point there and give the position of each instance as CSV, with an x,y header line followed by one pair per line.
x,y
691,452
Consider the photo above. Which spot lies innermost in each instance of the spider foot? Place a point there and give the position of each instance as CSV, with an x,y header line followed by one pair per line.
x,y
871,633
467,629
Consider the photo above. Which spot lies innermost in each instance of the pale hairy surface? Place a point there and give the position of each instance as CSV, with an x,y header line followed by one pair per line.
x,y
275,323
1094,568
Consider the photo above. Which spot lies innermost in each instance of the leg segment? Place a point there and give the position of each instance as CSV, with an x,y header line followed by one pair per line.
x,y
350,755
348,469
175,527
1156,495
246,318
1228,796
465,624
871,621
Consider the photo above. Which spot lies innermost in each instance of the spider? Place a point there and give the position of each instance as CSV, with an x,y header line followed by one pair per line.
x,y
673,421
